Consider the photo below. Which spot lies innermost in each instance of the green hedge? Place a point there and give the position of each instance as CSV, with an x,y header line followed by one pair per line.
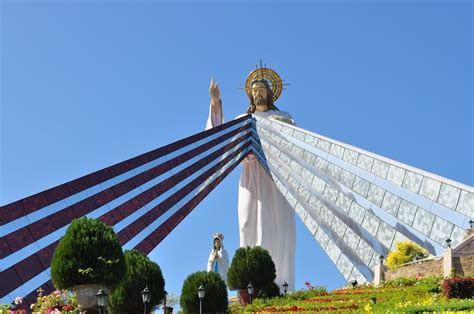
x,y
215,300
89,253
253,265
141,271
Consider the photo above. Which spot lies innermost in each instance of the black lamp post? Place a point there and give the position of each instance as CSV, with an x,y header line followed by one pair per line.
x,y
381,259
164,303
448,242
201,295
146,295
250,291
471,224
285,287
353,283
101,298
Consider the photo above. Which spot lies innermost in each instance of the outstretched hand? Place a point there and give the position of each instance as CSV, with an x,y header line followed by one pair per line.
x,y
214,91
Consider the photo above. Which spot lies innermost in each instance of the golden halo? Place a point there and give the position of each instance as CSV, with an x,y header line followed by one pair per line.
x,y
270,76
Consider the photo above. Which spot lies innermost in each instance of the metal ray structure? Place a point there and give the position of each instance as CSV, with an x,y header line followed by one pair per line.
x,y
356,204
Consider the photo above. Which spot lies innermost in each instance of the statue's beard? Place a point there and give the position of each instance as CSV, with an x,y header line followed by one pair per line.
x,y
259,100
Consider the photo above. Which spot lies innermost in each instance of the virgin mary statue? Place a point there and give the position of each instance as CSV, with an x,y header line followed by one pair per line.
x,y
265,217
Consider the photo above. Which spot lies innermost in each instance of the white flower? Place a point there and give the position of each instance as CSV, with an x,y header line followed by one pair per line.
x,y
18,300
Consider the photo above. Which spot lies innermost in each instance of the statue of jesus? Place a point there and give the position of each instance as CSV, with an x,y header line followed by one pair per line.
x,y
265,217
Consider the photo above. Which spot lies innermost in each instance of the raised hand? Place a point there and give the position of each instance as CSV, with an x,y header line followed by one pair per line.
x,y
214,91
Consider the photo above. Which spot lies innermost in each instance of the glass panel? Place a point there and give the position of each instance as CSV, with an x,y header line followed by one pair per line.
x,y
336,150
324,145
301,212
365,162
298,151
371,223
326,215
311,140
357,212
375,195
350,156
309,157
338,226
343,202
351,239
322,238
364,251
318,184
457,235
334,171
391,203
299,135
466,204
321,164
307,175
330,194
347,178
296,166
406,212
361,186
441,230
412,181
344,266
304,193
396,174
448,196
385,234
423,221
430,188
315,204
380,168
311,224
333,251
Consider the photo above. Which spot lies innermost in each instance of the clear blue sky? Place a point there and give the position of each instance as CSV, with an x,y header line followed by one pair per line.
x,y
86,84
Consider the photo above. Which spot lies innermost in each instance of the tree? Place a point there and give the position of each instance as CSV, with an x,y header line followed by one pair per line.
x,y
141,271
405,252
215,300
253,265
89,253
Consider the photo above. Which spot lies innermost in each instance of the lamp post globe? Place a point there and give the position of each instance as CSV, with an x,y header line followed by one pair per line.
x,y
101,298
448,242
471,224
381,257
250,290
285,287
146,296
201,295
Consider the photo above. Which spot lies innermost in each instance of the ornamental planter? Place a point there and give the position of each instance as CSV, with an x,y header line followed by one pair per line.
x,y
86,296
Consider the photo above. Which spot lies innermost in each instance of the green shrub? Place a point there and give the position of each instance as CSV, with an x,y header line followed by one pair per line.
x,y
215,299
405,252
89,253
253,265
270,291
141,271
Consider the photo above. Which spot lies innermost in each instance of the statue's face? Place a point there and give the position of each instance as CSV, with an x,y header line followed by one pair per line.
x,y
260,95
217,244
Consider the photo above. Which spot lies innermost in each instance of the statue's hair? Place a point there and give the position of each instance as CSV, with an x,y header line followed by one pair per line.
x,y
271,105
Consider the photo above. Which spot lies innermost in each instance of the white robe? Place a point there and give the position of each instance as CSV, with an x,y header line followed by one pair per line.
x,y
265,217
219,263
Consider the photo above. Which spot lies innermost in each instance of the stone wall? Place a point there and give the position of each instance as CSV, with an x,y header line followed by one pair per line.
x,y
425,268
464,265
